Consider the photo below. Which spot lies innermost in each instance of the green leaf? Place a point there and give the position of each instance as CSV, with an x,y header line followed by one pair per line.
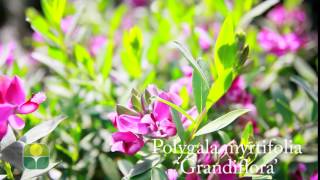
x,y
123,110
107,59
225,48
219,88
54,10
41,130
125,166
306,87
247,134
144,165
109,167
224,137
39,24
132,52
221,122
29,174
84,57
158,174
267,158
192,61
200,91
177,121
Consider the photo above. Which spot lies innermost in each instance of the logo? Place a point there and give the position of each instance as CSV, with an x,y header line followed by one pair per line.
x,y
36,156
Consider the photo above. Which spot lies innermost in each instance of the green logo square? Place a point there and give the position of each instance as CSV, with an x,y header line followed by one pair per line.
x,y
36,156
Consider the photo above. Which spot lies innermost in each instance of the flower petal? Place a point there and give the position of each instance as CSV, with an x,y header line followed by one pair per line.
x,y
5,111
3,129
38,98
28,107
16,122
15,93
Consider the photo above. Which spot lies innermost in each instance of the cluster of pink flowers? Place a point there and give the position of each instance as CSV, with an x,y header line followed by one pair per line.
x,y
8,52
300,170
13,101
152,119
238,95
278,43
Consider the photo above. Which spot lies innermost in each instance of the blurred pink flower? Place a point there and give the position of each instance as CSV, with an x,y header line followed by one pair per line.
x,y
193,112
126,142
96,44
138,3
172,174
279,44
13,101
208,158
278,15
205,41
184,82
281,16
8,51
37,37
297,174
66,23
314,176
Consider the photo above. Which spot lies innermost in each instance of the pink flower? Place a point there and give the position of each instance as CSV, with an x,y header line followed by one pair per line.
x,y
172,174
66,23
126,142
8,52
37,37
204,39
208,158
298,173
193,112
281,16
138,3
277,44
314,176
13,101
278,15
96,44
184,82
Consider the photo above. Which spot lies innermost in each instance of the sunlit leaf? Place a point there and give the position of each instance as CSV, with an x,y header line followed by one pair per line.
x,y
221,122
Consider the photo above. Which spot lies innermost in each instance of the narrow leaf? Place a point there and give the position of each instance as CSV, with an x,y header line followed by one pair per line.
x,y
221,122
41,130
177,121
304,85
192,61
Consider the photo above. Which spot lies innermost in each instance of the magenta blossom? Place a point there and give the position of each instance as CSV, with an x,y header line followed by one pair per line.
x,y
138,3
13,102
277,44
7,53
172,174
204,39
126,142
281,16
96,44
314,176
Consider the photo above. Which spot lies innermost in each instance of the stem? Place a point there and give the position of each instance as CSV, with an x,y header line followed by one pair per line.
x,y
7,168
